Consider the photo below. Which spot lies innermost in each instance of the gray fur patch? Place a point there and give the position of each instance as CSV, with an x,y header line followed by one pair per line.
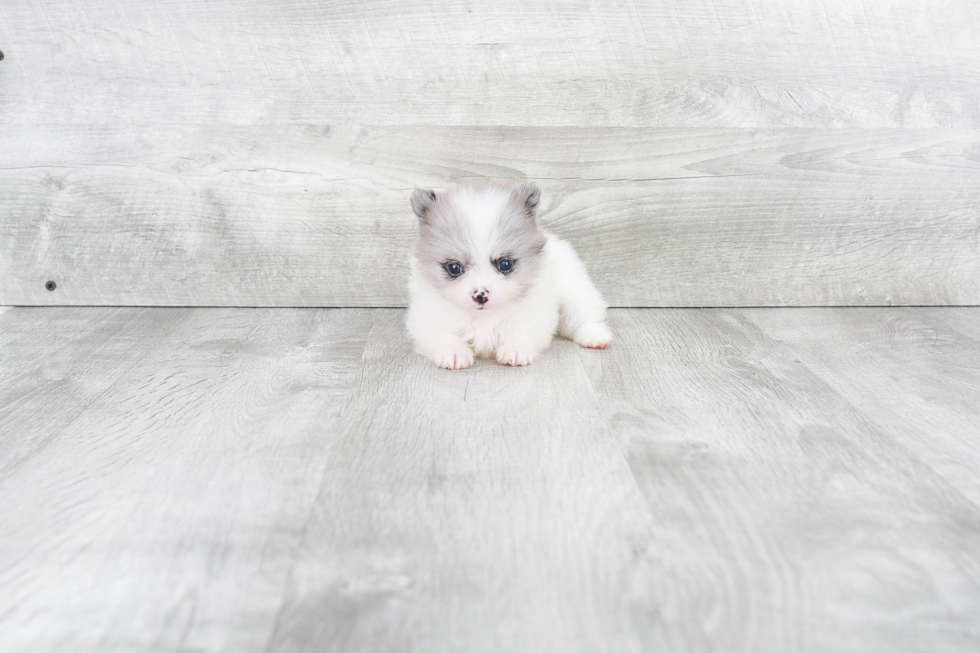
x,y
447,234
422,199
530,194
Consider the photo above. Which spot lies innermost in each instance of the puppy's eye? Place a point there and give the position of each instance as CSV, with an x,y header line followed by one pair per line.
x,y
453,268
505,265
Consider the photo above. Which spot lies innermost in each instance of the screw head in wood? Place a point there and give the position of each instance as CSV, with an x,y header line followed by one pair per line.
x,y
50,285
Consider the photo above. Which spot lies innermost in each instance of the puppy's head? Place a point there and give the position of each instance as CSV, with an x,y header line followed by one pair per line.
x,y
479,246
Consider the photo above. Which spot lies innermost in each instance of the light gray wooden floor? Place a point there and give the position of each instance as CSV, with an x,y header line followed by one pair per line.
x,y
297,480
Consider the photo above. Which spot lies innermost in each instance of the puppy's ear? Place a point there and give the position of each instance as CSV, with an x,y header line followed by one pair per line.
x,y
529,195
422,199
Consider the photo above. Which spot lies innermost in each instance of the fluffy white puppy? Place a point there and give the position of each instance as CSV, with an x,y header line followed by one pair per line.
x,y
486,280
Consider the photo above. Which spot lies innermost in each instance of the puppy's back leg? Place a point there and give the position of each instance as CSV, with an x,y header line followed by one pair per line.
x,y
583,311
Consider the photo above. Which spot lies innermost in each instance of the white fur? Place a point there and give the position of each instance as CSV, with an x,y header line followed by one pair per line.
x,y
562,299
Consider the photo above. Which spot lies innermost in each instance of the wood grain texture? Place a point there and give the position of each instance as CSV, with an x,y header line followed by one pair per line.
x,y
706,153
490,511
936,353
299,480
67,358
730,63
158,467
318,216
787,515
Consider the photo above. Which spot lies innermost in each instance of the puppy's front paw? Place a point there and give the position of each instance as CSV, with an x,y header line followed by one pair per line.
x,y
514,355
594,335
454,359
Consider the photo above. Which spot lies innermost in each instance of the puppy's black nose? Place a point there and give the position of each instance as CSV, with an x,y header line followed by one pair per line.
x,y
481,297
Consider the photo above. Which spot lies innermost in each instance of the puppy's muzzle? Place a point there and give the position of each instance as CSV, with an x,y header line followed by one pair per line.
x,y
481,297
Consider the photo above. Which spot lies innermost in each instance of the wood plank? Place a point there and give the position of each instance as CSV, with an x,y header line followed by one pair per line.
x,y
719,63
318,215
962,320
292,480
68,359
489,510
923,350
165,514
696,489
787,516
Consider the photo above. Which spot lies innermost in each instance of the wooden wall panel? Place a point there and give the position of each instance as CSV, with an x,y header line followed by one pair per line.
x,y
724,63
698,153
308,216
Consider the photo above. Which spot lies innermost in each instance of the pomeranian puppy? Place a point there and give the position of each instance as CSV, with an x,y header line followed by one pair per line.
x,y
486,280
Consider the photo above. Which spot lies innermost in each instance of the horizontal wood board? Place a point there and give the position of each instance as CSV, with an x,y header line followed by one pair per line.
x,y
765,480
319,215
698,63
704,153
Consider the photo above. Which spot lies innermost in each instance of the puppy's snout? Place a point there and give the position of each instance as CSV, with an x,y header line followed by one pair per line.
x,y
481,297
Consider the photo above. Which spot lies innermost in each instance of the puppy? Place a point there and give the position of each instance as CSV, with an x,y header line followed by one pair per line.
x,y
487,281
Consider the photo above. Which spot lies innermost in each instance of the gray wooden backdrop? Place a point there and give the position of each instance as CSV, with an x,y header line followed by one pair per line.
x,y
698,153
